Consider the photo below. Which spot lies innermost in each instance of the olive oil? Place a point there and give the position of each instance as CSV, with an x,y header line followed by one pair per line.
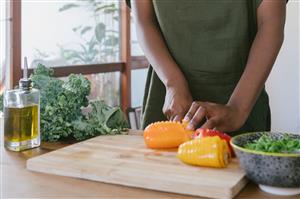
x,y
22,116
21,124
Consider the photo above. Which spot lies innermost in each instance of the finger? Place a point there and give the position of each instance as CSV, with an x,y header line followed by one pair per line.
x,y
194,107
197,118
210,124
172,117
167,113
177,118
167,116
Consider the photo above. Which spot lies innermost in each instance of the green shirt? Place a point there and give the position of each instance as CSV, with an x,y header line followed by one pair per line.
x,y
210,41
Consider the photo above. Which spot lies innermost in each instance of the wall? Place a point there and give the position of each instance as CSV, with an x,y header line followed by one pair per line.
x,y
283,84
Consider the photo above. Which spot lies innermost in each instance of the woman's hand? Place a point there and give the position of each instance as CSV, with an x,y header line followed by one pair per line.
x,y
177,102
226,118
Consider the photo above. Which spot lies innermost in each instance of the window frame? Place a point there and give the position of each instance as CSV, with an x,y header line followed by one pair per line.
x,y
125,66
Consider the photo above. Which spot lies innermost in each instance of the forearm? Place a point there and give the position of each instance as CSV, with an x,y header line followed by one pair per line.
x,y
154,46
263,53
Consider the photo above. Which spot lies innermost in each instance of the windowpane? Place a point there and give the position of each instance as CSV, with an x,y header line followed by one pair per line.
x,y
106,86
136,50
73,32
138,78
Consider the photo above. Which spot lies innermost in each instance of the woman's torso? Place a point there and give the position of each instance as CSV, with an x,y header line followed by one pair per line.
x,y
210,41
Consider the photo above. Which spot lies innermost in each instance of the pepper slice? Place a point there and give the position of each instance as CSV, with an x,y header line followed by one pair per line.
x,y
200,133
206,151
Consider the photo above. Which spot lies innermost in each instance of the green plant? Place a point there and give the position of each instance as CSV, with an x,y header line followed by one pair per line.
x,y
61,102
101,120
61,108
102,45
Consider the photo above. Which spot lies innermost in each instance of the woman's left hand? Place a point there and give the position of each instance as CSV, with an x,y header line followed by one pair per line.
x,y
225,118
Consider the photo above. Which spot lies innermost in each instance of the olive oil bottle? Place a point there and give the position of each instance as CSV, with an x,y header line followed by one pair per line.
x,y
21,116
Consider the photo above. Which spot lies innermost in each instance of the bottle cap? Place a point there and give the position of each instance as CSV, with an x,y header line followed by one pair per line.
x,y
25,83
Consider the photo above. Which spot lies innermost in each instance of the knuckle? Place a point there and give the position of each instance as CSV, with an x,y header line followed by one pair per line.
x,y
188,115
195,103
202,109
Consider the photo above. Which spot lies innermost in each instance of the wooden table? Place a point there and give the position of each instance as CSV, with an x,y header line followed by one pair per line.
x,y
17,182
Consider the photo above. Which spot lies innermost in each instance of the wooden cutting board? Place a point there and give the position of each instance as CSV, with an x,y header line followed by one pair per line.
x,y
124,160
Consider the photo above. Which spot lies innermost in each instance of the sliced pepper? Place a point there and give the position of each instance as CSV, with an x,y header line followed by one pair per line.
x,y
206,151
167,134
199,133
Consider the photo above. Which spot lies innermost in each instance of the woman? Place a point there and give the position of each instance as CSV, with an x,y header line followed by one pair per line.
x,y
209,60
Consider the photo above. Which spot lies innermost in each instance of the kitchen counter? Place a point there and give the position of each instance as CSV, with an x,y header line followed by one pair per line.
x,y
18,182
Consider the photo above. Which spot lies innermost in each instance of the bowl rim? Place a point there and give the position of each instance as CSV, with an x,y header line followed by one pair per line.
x,y
261,152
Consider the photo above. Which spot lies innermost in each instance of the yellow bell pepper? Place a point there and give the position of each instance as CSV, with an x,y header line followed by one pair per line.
x,y
206,151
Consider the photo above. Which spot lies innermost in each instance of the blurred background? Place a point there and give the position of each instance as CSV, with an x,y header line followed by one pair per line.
x,y
97,38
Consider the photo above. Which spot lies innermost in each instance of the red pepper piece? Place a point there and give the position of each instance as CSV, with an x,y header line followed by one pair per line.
x,y
199,133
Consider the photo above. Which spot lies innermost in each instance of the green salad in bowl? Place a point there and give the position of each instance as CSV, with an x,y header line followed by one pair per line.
x,y
270,159
266,143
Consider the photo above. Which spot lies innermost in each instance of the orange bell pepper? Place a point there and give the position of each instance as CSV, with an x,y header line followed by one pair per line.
x,y
167,134
206,151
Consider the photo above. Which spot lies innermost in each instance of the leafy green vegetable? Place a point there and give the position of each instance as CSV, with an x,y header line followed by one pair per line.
x,y
100,121
61,104
268,144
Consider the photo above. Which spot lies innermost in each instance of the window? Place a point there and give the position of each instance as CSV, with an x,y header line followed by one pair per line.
x,y
136,50
91,37
105,86
138,78
64,33
4,43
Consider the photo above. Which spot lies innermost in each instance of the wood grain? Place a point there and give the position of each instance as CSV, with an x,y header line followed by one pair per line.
x,y
124,160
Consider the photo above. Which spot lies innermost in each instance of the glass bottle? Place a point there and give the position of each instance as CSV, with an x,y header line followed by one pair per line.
x,y
22,115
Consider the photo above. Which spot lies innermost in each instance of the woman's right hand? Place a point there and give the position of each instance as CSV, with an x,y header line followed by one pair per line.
x,y
177,102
